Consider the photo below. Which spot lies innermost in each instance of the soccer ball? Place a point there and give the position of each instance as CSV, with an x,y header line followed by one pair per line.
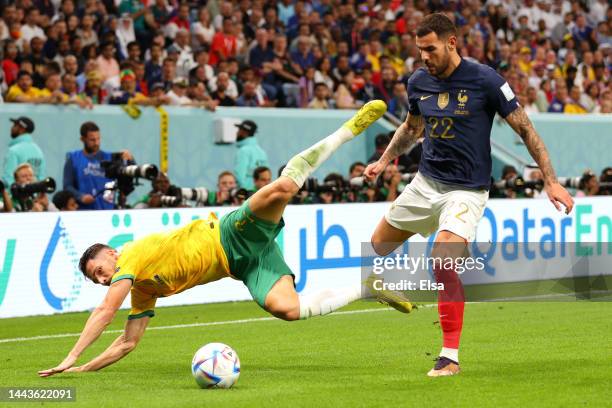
x,y
215,365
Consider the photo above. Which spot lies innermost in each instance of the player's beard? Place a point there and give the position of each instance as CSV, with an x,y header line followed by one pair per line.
x,y
437,70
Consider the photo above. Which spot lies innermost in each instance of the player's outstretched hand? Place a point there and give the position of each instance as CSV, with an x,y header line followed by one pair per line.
x,y
559,195
64,366
374,170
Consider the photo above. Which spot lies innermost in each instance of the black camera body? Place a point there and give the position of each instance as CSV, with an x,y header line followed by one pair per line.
x,y
127,175
24,191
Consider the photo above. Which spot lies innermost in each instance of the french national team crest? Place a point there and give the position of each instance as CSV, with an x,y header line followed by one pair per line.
x,y
443,99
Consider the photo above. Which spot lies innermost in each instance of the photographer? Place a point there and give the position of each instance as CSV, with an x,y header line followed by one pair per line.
x,y
6,205
262,176
161,187
65,201
83,173
227,192
391,180
38,202
605,180
589,185
509,173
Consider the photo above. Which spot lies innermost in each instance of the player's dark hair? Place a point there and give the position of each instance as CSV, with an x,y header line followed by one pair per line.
x,y
91,253
257,172
88,127
436,23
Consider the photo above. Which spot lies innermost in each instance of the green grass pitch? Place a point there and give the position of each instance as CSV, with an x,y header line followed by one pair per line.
x,y
553,354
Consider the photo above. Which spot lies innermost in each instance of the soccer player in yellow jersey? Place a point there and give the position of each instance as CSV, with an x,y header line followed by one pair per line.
x,y
240,245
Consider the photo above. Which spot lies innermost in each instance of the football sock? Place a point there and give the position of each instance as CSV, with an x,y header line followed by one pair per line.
x,y
326,301
451,302
303,164
450,353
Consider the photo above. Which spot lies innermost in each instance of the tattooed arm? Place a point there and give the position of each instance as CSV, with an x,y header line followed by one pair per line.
x,y
521,124
404,137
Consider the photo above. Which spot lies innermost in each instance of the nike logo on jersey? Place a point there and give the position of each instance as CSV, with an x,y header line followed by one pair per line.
x,y
423,97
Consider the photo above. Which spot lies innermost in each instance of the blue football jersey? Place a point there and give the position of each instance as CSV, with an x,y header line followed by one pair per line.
x,y
458,112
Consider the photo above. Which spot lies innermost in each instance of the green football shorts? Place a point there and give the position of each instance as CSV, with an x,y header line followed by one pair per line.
x,y
253,255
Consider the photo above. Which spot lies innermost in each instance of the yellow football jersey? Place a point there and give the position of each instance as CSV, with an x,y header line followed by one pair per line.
x,y
167,263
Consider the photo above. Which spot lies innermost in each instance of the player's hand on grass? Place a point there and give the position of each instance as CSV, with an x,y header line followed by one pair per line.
x,y
64,366
374,169
559,195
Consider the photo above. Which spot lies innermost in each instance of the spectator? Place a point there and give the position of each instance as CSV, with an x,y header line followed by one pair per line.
x,y
65,200
529,101
9,63
398,105
178,22
93,92
321,97
262,176
83,174
261,52
573,103
86,32
107,64
307,85
23,91
369,90
343,96
223,43
31,29
248,98
177,96
558,103
24,174
153,67
203,30
127,94
249,155
23,149
220,95
184,62
322,74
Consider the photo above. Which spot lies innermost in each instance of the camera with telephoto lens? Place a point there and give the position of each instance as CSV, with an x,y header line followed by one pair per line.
x,y
23,191
570,182
177,196
518,184
127,175
361,181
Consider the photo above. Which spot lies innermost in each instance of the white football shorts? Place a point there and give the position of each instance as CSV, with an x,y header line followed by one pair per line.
x,y
426,206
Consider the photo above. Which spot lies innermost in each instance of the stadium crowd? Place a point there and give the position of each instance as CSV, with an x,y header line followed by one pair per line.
x,y
556,54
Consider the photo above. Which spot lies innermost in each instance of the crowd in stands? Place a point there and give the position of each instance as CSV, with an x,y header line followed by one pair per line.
x,y
322,54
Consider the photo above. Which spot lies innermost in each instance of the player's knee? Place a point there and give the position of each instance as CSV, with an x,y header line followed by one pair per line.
x,y
286,312
286,309
380,246
285,188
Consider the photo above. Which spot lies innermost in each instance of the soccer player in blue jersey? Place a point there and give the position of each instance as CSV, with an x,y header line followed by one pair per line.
x,y
454,101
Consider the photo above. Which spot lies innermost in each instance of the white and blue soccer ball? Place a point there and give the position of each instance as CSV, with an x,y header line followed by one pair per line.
x,y
216,365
